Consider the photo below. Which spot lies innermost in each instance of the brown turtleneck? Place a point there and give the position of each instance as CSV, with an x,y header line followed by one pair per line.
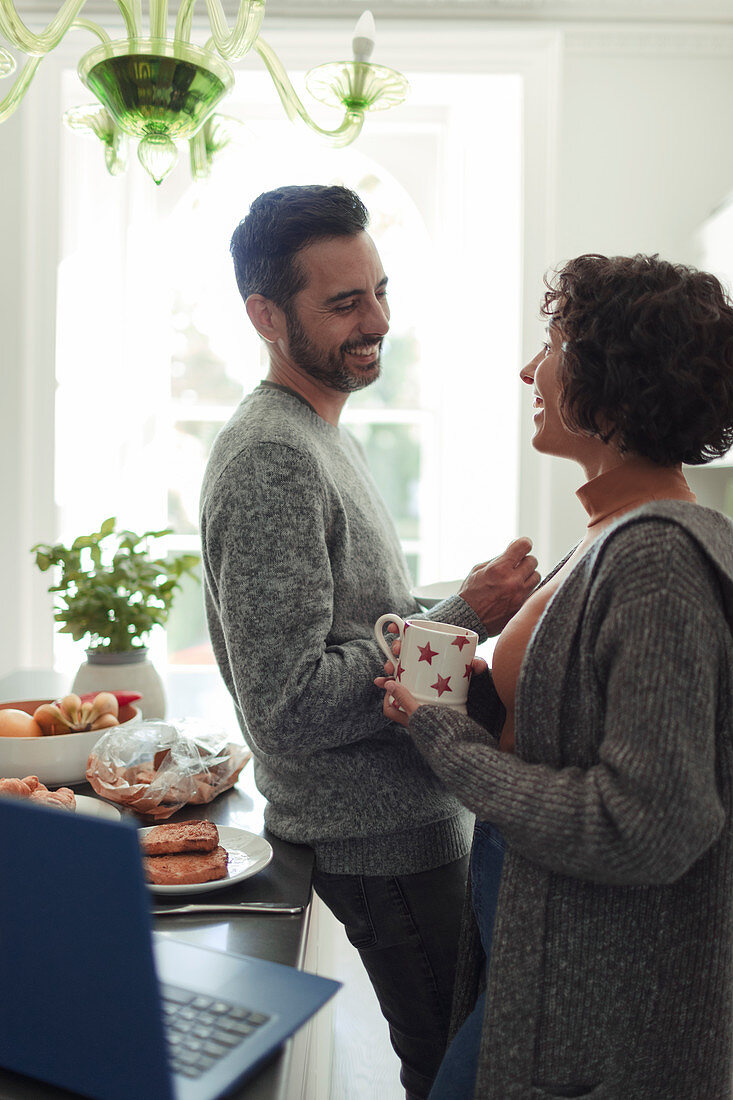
x,y
604,498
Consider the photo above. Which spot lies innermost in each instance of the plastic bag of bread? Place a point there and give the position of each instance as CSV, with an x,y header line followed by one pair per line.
x,y
155,768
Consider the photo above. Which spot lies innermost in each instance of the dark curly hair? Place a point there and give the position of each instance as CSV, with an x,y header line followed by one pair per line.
x,y
280,223
647,355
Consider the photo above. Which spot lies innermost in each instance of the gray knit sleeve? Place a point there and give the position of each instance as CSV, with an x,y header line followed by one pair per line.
x,y
647,808
268,570
457,612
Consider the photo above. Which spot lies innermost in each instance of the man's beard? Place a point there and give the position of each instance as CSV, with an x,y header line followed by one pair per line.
x,y
329,367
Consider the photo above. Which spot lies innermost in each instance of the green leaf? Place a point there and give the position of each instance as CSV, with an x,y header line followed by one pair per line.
x,y
157,534
117,593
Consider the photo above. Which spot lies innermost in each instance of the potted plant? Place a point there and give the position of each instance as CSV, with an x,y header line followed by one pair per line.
x,y
113,591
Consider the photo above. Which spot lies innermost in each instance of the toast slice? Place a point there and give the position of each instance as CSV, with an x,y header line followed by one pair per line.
x,y
187,868
186,836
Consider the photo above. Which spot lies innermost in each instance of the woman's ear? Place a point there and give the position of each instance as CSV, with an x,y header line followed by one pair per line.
x,y
267,318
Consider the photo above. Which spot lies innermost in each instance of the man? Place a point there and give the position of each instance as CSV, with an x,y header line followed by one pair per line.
x,y
300,558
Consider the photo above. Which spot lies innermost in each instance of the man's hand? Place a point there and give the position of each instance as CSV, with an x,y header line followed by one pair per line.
x,y
496,589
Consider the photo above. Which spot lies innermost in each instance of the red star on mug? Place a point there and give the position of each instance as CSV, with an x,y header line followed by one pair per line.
x,y
467,673
400,670
460,641
442,685
426,653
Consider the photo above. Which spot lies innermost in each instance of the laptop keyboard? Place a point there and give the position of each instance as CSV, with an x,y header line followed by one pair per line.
x,y
200,1030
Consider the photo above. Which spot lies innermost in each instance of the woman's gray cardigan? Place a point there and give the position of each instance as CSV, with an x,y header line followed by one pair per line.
x,y
610,970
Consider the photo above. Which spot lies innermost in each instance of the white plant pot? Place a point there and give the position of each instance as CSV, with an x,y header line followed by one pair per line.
x,y
130,671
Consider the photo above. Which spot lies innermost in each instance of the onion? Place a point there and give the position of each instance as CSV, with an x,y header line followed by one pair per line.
x,y
16,723
51,719
104,721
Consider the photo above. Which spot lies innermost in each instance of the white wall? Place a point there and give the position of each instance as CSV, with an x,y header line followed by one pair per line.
x,y
11,343
643,156
628,148
28,235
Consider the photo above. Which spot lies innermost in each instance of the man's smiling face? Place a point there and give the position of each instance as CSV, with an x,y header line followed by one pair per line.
x,y
337,322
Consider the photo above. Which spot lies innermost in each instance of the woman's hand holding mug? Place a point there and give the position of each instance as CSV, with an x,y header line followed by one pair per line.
x,y
399,703
434,664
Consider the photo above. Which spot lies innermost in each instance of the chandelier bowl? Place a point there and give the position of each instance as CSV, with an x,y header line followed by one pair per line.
x,y
357,85
156,87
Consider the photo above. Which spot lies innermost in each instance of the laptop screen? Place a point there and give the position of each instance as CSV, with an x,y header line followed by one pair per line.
x,y
80,1005
81,999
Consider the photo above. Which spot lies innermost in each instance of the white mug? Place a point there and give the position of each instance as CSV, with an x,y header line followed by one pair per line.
x,y
435,659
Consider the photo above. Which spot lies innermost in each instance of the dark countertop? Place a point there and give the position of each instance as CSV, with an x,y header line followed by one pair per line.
x,y
281,939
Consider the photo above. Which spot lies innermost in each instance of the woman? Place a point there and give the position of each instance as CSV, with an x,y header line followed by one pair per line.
x,y
600,749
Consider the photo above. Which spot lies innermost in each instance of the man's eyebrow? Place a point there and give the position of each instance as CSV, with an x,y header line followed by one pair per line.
x,y
343,294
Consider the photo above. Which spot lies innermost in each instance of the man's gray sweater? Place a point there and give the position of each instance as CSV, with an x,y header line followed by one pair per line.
x,y
300,558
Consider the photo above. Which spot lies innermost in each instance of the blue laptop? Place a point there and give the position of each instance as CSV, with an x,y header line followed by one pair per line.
x,y
94,1002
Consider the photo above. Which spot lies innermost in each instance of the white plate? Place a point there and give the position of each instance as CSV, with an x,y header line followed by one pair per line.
x,y
430,594
248,854
94,807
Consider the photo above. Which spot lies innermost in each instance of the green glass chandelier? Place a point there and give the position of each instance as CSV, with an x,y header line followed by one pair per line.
x,y
160,90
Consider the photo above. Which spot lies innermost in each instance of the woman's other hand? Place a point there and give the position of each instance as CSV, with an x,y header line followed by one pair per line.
x,y
389,668
395,646
478,665
399,703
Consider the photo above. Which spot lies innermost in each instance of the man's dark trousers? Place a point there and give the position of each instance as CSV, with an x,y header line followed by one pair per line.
x,y
406,928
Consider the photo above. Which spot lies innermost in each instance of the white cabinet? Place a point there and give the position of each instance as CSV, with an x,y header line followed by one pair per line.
x,y
713,483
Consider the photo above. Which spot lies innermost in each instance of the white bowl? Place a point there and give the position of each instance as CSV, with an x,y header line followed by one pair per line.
x,y
55,760
430,594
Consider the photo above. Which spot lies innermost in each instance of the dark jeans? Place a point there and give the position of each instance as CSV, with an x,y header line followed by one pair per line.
x,y
405,927
456,1079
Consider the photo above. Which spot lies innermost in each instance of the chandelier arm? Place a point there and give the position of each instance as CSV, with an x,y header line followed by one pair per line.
x,y
351,123
158,18
18,90
239,41
199,156
20,36
115,153
36,45
88,25
12,100
184,19
132,15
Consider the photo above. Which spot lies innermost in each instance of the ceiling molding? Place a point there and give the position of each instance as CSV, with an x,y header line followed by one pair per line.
x,y
636,11
649,41
536,11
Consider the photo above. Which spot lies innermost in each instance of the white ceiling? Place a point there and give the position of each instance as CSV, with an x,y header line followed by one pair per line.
x,y
543,11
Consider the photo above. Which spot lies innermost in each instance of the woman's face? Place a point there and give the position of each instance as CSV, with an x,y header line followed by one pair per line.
x,y
551,434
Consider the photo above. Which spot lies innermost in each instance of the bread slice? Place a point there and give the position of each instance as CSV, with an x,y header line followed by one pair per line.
x,y
64,797
186,869
187,836
33,790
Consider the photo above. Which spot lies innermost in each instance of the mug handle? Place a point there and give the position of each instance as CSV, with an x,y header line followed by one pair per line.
x,y
379,633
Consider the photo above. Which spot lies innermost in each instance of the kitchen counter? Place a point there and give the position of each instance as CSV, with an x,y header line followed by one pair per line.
x,y
282,939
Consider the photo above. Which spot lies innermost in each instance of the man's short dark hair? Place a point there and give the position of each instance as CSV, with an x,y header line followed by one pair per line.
x,y
280,223
647,355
